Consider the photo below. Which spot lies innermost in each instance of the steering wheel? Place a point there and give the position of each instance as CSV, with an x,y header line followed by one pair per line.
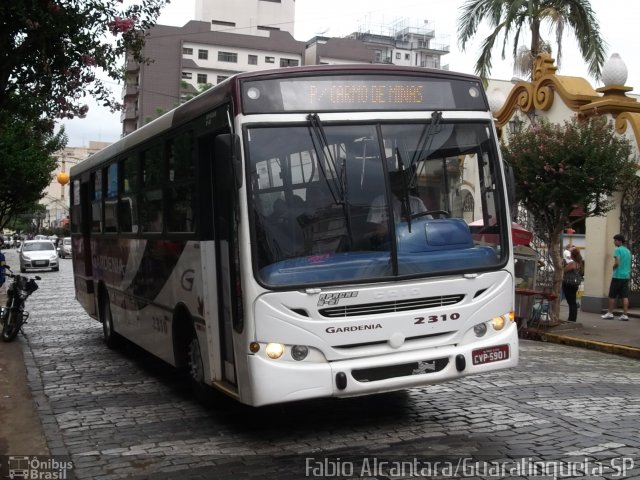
x,y
431,212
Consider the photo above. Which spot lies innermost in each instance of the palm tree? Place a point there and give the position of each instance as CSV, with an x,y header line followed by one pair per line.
x,y
511,17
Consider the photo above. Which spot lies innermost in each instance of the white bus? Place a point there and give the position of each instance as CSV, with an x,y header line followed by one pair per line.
x,y
303,232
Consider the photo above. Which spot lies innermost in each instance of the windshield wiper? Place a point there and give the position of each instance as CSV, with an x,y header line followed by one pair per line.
x,y
424,143
339,190
323,152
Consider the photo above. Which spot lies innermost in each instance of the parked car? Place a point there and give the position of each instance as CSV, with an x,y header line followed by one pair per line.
x,y
64,247
38,254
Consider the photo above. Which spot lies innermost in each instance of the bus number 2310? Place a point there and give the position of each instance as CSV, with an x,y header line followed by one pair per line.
x,y
436,318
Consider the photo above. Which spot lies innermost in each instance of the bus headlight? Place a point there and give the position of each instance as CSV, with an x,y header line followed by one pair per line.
x,y
299,352
480,329
274,350
498,323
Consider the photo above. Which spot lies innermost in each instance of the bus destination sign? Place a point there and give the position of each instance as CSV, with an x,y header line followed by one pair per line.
x,y
372,92
345,94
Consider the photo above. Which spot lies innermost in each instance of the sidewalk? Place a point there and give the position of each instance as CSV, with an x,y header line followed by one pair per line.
x,y
593,332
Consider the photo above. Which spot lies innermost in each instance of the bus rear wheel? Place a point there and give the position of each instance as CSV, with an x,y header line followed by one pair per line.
x,y
111,338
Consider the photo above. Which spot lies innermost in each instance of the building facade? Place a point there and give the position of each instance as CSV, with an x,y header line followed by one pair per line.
x,y
247,17
56,196
247,35
558,98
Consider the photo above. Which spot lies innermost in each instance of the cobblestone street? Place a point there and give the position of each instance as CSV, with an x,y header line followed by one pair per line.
x,y
123,414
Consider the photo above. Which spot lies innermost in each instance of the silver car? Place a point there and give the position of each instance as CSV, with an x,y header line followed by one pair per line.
x,y
64,247
38,254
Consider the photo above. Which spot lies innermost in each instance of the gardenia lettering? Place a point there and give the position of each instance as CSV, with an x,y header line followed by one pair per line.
x,y
353,328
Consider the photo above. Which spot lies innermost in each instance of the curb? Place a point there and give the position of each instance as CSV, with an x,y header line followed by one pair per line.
x,y
622,350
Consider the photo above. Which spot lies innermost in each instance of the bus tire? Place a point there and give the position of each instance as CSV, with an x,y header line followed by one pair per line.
x,y
204,393
195,365
111,338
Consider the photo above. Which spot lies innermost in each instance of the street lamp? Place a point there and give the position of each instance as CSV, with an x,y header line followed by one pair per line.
x,y
515,125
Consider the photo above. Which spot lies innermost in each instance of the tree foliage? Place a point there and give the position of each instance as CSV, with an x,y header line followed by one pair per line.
x,y
26,162
52,50
559,167
512,18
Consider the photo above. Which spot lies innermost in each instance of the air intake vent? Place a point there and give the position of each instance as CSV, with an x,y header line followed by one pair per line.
x,y
390,307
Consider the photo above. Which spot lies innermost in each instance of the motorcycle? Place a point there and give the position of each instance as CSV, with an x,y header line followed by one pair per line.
x,y
13,316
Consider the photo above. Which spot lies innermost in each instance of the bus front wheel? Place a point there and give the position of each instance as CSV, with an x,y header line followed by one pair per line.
x,y
195,365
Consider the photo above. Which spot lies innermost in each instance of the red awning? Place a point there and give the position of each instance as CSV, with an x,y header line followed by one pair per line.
x,y
520,235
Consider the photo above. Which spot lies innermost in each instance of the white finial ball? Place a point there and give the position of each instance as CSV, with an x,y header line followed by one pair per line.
x,y
496,99
614,71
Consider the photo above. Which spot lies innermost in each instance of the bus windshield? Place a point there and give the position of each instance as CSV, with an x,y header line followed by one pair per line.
x,y
363,202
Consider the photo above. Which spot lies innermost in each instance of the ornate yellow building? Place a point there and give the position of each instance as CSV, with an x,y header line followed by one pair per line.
x,y
558,98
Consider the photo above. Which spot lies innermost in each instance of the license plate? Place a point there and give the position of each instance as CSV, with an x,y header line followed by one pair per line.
x,y
40,263
490,354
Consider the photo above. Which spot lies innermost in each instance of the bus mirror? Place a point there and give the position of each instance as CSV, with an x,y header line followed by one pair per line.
x,y
227,155
511,187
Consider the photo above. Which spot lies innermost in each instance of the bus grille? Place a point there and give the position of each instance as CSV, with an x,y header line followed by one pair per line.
x,y
390,307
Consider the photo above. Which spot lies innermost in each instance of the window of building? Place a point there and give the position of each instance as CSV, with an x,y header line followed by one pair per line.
x,y
270,59
222,23
407,56
273,1
253,59
187,75
221,78
203,54
268,28
187,51
288,62
228,57
397,55
202,78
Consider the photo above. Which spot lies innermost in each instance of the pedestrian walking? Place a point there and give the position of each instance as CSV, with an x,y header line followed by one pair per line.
x,y
572,278
619,287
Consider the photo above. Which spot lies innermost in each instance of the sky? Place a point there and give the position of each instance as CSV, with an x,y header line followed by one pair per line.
x,y
336,18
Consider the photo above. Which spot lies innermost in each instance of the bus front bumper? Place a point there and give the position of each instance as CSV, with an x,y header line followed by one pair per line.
x,y
276,381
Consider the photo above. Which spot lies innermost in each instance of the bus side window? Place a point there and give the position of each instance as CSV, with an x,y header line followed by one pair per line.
x,y
181,176
181,214
151,211
96,201
151,197
111,199
76,209
128,211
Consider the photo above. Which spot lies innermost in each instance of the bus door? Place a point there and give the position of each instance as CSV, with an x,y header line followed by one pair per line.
x,y
223,214
81,244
